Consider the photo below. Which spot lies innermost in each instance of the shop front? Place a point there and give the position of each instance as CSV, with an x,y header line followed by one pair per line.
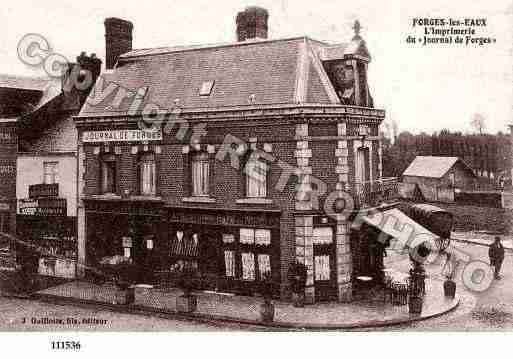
x,y
47,235
232,250
123,231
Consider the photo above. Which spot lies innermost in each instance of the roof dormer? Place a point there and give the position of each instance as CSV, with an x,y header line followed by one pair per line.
x,y
346,65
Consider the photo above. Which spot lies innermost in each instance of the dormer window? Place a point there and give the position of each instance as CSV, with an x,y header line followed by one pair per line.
x,y
206,88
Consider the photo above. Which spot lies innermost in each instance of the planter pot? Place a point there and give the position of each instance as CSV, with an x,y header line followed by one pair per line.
x,y
450,288
186,303
298,299
415,305
267,312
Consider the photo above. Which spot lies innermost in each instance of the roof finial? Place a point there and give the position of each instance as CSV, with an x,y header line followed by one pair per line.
x,y
357,27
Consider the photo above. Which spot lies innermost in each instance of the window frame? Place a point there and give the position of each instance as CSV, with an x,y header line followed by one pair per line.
x,y
145,158
247,179
109,162
54,173
203,159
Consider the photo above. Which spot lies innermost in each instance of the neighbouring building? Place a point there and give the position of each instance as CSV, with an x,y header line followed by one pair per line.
x,y
237,158
18,95
438,178
46,174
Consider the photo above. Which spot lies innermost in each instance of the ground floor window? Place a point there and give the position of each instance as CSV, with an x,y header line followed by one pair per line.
x,y
227,258
248,266
49,245
254,253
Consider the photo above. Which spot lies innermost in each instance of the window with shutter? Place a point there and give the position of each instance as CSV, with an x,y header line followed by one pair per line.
x,y
147,175
200,174
108,174
256,178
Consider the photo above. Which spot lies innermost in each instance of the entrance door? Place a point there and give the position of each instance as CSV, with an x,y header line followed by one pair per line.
x,y
324,263
209,253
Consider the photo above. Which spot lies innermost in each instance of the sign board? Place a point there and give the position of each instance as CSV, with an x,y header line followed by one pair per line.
x,y
43,207
121,136
44,190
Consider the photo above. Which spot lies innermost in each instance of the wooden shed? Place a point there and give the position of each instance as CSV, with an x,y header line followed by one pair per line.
x,y
439,177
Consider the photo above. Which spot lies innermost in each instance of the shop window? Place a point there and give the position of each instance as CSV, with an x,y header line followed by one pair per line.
x,y
322,267
247,236
50,173
248,266
147,175
229,261
200,174
256,178
264,264
263,237
228,238
108,174
255,236
254,242
322,235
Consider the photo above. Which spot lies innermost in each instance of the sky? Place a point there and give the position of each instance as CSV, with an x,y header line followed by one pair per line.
x,y
422,88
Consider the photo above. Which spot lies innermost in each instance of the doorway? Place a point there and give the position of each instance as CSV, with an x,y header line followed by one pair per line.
x,y
324,263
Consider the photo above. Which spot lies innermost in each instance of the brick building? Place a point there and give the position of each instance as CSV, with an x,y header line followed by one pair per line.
x,y
237,158
45,179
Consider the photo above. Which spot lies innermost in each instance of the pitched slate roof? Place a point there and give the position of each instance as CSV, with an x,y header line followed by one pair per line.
x,y
287,71
23,82
432,166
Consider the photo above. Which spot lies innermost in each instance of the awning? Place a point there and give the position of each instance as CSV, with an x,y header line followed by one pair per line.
x,y
398,225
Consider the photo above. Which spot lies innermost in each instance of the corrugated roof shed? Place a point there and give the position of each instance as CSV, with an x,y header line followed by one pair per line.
x,y
432,166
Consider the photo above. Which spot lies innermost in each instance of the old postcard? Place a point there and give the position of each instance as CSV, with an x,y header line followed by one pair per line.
x,y
260,165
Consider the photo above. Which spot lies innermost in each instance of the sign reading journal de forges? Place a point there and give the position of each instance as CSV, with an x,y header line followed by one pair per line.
x,y
122,136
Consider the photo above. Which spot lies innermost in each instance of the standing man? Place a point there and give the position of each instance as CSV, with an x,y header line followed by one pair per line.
x,y
496,254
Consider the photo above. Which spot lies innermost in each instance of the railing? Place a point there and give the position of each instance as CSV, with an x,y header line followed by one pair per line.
x,y
374,193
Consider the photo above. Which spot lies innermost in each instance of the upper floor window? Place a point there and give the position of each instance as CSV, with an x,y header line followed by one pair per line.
x,y
147,175
50,175
256,177
108,174
200,174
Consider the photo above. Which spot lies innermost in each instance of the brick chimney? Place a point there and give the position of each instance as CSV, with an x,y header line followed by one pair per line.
x,y
94,66
118,40
252,23
79,78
